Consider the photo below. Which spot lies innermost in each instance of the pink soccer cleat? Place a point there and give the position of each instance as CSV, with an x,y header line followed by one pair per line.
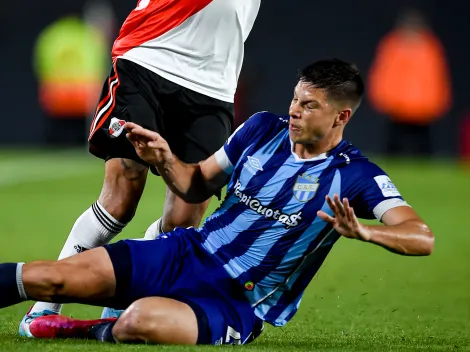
x,y
62,327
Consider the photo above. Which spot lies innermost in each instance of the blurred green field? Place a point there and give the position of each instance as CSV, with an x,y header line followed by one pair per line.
x,y
364,298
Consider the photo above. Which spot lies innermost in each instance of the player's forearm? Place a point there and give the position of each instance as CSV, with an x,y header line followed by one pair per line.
x,y
185,180
409,238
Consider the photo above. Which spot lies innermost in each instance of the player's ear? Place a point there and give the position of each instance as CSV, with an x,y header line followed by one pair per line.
x,y
343,117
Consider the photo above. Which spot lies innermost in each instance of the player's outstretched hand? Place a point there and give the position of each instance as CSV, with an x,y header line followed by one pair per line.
x,y
149,145
344,221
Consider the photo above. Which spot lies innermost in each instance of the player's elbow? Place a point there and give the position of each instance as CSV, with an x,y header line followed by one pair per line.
x,y
430,245
427,240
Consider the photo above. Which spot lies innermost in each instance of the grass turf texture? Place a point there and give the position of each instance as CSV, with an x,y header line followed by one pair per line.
x,y
363,298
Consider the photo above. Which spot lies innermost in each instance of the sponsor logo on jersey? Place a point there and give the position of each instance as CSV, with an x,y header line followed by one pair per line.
x,y
289,220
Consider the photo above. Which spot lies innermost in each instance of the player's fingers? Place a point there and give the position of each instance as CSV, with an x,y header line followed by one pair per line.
x,y
143,132
325,217
346,207
136,140
330,203
130,126
347,210
351,215
133,139
157,144
339,205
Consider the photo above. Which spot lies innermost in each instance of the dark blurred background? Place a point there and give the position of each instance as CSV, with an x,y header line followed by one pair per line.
x,y
412,73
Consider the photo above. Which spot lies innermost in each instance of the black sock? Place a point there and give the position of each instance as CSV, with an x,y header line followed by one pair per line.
x,y
103,332
11,284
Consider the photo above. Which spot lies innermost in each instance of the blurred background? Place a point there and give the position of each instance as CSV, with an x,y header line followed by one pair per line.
x,y
412,54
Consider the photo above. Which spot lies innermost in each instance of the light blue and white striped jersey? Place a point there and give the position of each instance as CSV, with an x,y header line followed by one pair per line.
x,y
267,232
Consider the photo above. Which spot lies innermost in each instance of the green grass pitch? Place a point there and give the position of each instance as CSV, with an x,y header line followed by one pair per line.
x,y
363,298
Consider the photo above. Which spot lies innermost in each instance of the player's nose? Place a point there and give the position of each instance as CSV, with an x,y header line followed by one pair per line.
x,y
294,112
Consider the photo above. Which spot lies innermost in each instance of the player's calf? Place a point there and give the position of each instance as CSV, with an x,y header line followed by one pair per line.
x,y
123,186
178,213
44,281
84,278
38,280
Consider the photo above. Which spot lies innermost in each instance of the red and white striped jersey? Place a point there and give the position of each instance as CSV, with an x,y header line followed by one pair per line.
x,y
198,44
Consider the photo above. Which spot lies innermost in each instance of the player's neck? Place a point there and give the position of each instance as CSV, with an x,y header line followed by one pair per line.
x,y
309,151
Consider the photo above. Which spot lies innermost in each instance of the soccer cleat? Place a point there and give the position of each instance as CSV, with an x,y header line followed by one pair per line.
x,y
59,326
111,313
25,324
154,230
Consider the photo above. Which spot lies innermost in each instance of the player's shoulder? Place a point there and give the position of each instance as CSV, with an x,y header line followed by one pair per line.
x,y
262,126
356,165
266,122
361,172
269,117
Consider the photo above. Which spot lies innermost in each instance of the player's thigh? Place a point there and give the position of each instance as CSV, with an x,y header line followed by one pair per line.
x,y
202,133
158,320
149,268
202,136
87,277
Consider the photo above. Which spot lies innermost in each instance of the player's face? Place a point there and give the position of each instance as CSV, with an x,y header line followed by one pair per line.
x,y
312,116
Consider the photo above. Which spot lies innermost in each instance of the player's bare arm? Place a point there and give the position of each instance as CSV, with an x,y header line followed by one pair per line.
x,y
403,231
194,183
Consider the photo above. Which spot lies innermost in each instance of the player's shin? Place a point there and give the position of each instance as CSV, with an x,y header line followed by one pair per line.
x,y
11,284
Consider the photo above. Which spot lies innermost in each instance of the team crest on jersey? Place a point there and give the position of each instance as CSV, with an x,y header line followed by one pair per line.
x,y
305,188
116,127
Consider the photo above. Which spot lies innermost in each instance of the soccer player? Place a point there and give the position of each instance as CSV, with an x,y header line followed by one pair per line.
x,y
175,69
294,188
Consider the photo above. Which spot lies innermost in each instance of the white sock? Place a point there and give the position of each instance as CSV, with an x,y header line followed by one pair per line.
x,y
154,230
94,228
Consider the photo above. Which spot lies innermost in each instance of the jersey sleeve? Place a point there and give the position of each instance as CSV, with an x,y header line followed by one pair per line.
x,y
251,131
374,193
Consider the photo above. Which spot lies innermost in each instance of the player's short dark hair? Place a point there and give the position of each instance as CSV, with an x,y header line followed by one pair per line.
x,y
341,80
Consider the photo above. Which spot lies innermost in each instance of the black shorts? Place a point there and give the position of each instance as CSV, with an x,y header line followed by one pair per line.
x,y
194,125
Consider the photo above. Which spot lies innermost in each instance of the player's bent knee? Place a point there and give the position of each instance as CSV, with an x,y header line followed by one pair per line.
x,y
129,325
138,324
150,320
